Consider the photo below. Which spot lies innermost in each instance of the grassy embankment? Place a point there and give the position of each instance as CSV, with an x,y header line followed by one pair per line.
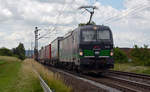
x,y
54,81
130,67
18,76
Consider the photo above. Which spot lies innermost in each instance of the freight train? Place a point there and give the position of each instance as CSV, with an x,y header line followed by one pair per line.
x,y
87,48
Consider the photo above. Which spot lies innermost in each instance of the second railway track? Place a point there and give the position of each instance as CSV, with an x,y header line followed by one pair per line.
x,y
122,81
133,81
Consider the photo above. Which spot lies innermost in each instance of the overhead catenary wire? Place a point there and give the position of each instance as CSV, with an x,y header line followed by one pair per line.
x,y
118,17
132,12
71,6
124,16
111,18
53,28
50,32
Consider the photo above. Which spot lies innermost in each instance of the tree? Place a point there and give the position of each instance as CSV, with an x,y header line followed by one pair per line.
x,y
141,55
120,56
5,52
19,51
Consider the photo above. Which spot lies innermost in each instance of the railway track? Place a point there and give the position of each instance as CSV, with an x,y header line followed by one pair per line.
x,y
124,81
138,78
141,76
114,84
99,87
116,80
137,82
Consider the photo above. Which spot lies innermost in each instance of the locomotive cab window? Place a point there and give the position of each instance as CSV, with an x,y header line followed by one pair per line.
x,y
88,35
91,35
103,35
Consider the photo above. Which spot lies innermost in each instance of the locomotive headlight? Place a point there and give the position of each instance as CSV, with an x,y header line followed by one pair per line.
x,y
95,28
111,53
81,53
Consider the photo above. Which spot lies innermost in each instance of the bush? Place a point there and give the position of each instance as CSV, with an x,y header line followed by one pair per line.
x,y
120,56
141,55
19,51
5,52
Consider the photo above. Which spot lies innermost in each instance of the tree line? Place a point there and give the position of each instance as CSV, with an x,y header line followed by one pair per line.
x,y
137,55
18,52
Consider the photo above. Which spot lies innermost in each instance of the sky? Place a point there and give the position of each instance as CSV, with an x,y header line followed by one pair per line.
x,y
113,3
129,20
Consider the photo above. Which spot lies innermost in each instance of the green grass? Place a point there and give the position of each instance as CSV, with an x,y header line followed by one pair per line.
x,y
16,77
2,62
129,67
27,80
54,81
8,73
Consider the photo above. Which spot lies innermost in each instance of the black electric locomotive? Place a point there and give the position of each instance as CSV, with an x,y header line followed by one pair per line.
x,y
87,48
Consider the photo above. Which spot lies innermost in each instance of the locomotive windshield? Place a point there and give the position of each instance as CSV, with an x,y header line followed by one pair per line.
x,y
98,35
103,35
88,35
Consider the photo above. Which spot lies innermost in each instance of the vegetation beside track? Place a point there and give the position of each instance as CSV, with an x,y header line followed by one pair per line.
x,y
137,60
18,52
18,76
128,67
15,76
54,81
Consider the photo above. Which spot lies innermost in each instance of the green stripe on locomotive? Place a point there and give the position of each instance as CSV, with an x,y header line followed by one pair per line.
x,y
104,53
88,52
91,53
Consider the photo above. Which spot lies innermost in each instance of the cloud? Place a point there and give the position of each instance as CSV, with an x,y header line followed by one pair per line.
x,y
132,24
19,17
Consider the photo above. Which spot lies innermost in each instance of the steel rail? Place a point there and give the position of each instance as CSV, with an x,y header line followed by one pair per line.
x,y
143,76
110,86
132,79
112,82
84,79
124,87
117,86
134,83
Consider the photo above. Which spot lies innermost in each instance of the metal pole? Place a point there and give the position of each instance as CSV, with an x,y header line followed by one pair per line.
x,y
31,51
36,44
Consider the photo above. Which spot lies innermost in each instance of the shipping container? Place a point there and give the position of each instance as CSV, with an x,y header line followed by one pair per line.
x,y
42,54
69,47
66,51
55,49
48,52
